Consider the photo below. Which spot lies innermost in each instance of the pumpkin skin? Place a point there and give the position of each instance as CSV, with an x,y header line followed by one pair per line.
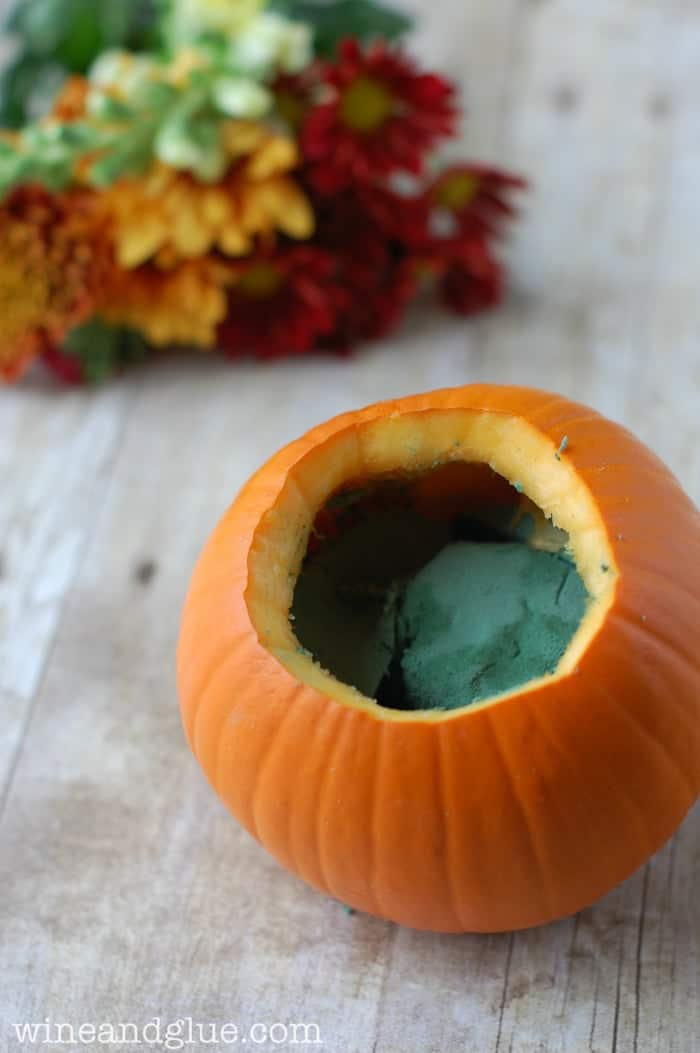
x,y
501,815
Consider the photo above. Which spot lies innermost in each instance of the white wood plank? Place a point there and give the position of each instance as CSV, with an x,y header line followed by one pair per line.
x,y
665,401
12,726
57,448
56,451
665,398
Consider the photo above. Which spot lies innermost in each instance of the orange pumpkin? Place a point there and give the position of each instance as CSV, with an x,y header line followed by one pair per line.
x,y
511,811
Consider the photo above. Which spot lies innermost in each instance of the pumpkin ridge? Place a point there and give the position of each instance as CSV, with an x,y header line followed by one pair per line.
x,y
265,760
342,722
631,620
634,719
531,838
453,898
371,840
638,809
623,615
204,692
374,860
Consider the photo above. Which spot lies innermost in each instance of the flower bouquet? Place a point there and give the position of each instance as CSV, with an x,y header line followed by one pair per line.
x,y
256,180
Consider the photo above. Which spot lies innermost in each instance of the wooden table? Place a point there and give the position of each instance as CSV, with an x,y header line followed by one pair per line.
x,y
127,892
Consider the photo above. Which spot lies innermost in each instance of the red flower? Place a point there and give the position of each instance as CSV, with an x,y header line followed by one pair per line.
x,y
466,208
295,94
65,366
375,306
404,218
473,280
281,304
472,200
371,268
382,116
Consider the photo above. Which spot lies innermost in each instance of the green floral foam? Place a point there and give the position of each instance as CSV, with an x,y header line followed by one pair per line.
x,y
418,620
481,619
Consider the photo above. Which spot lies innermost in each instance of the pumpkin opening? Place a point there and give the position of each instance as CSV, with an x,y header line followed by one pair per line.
x,y
436,589
473,477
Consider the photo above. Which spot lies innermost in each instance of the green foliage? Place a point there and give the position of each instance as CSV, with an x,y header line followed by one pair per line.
x,y
58,37
47,154
179,125
334,19
102,350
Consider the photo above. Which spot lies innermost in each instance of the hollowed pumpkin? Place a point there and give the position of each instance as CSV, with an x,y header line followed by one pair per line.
x,y
509,810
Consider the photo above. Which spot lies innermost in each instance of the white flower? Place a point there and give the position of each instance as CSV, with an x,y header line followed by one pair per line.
x,y
123,70
177,147
270,43
241,97
193,17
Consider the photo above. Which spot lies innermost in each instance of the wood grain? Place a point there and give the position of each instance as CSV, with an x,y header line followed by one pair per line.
x,y
127,892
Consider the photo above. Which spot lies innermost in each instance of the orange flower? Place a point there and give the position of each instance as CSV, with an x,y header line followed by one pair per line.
x,y
179,306
167,216
52,263
71,101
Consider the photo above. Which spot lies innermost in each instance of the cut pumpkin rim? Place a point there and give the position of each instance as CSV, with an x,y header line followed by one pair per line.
x,y
418,440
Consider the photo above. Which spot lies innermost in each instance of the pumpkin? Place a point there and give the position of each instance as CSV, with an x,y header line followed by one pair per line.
x,y
519,807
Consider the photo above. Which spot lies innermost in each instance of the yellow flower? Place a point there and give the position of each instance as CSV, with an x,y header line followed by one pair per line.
x,y
179,306
166,215
53,259
23,302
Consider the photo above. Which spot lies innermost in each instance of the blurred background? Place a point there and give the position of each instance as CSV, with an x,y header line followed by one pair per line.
x,y
126,890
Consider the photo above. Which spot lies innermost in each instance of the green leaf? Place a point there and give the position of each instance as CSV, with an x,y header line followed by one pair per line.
x,y
130,157
104,350
82,38
54,175
106,108
13,171
66,36
331,21
41,24
18,89
78,135
211,159
175,144
153,95
11,19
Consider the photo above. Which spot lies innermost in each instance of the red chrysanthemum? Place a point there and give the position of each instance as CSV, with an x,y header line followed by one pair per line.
x,y
403,218
63,365
466,207
372,269
295,94
382,116
376,301
281,304
472,280
472,200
